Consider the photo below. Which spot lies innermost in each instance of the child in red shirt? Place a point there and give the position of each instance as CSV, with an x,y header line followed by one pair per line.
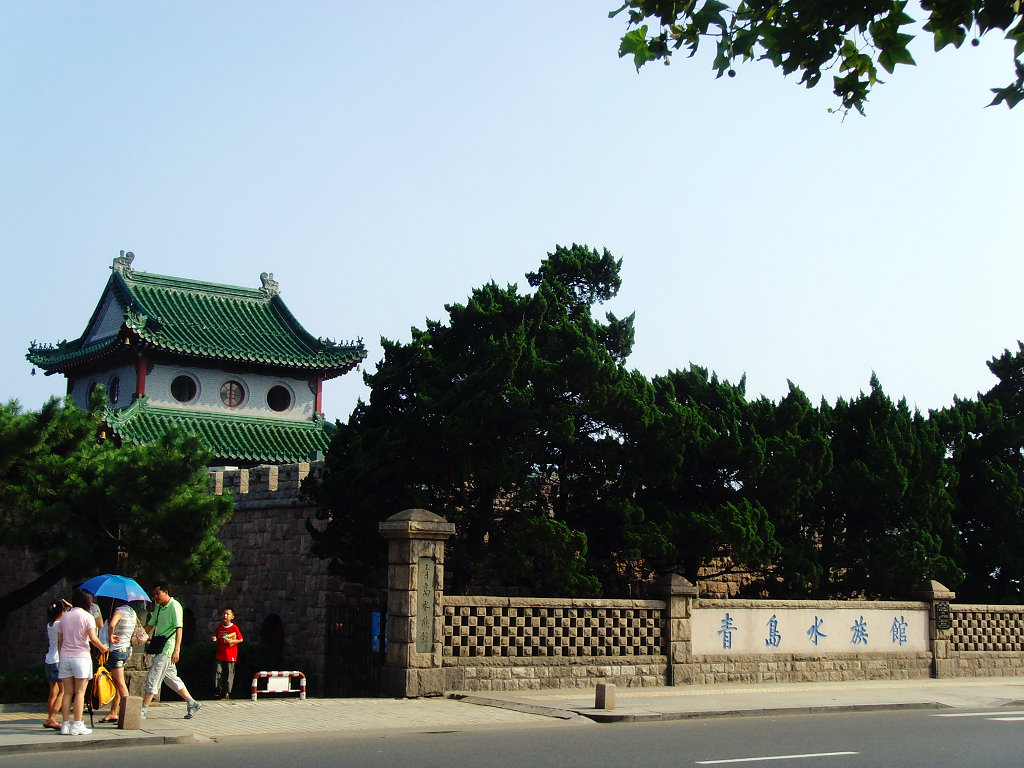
x,y
227,637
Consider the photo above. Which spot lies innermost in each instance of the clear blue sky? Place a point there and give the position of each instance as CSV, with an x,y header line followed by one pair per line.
x,y
382,159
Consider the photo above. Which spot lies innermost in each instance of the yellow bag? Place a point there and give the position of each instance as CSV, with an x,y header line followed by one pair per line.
x,y
103,689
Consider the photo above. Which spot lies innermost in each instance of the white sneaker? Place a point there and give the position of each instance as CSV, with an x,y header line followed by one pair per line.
x,y
78,729
65,728
143,712
192,709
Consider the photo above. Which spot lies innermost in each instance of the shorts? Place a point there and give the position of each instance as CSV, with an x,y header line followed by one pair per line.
x,y
118,658
52,673
163,671
78,668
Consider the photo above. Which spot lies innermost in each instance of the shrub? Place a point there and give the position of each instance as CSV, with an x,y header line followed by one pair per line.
x,y
23,685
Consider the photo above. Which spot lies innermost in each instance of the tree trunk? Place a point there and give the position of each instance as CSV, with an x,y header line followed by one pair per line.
x,y
22,596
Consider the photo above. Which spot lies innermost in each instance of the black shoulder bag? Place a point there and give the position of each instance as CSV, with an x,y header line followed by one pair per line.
x,y
157,642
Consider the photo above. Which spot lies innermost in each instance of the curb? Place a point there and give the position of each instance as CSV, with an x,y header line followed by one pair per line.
x,y
611,716
516,706
631,717
78,744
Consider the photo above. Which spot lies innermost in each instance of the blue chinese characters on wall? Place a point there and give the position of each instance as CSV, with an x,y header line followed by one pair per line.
x,y
743,630
899,631
860,632
726,632
814,631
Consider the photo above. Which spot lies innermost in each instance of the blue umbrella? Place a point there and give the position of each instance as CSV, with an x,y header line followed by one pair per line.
x,y
119,587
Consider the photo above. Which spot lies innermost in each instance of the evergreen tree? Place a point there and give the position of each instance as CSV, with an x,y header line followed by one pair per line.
x,y
797,459
883,517
707,457
510,420
985,441
86,506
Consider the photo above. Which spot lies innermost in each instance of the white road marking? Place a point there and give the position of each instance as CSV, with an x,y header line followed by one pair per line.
x,y
1008,719
990,713
773,757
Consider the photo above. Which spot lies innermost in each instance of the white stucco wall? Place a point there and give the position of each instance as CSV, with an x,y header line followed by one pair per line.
x,y
126,376
810,631
210,380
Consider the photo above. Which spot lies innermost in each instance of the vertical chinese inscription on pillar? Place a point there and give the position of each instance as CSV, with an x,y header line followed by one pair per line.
x,y
425,605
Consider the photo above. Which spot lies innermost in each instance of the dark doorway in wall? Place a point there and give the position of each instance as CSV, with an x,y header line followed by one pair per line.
x,y
356,640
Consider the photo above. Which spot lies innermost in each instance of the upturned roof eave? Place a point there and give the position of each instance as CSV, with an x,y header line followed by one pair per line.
x,y
70,360
232,437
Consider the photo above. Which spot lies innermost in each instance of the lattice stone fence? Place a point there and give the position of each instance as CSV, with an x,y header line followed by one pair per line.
x,y
983,640
439,643
495,643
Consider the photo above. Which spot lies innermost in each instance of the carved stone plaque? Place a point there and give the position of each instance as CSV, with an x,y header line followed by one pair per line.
x,y
425,569
943,616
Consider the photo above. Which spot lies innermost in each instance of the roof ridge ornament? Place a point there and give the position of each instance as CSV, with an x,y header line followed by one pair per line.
x,y
270,285
123,264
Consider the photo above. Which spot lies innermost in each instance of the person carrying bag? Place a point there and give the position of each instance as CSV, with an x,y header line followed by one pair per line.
x,y
156,642
167,624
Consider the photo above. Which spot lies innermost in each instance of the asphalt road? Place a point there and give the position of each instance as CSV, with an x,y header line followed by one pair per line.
x,y
920,738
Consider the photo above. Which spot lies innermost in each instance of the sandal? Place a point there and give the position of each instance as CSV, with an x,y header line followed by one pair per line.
x,y
55,725
106,720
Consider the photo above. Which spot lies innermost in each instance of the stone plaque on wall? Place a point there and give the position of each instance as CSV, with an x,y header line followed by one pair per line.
x,y
943,616
425,570
810,631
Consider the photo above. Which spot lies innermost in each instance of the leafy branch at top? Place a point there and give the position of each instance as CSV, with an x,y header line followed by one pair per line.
x,y
809,36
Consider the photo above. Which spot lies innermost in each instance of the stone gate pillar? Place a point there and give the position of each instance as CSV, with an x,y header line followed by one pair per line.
x,y
939,625
415,577
681,595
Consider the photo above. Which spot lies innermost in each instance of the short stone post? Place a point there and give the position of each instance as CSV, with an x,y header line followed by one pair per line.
x,y
415,577
939,625
604,696
681,595
130,716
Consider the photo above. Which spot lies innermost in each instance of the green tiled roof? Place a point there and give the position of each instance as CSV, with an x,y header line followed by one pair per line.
x,y
232,439
197,320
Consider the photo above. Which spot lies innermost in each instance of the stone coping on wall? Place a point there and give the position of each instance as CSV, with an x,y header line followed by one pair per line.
x,y
986,608
741,658
889,605
552,602
581,662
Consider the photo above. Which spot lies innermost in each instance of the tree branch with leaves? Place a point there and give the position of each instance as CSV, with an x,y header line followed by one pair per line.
x,y
812,37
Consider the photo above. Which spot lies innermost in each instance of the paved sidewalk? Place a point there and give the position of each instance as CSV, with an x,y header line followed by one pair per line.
x,y
21,725
682,702
21,729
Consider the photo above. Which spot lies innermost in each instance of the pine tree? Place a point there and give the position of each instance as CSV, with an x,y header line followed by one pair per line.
x,y
85,506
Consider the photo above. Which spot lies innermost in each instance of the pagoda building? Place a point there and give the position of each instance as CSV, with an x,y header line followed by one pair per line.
x,y
228,364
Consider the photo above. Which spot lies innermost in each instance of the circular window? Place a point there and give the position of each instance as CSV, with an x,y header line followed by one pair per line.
x,y
184,388
115,390
232,393
279,398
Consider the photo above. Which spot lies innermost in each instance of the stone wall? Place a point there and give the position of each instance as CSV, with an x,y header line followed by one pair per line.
x,y
510,644
280,593
275,582
501,644
786,652
983,641
23,642
274,579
